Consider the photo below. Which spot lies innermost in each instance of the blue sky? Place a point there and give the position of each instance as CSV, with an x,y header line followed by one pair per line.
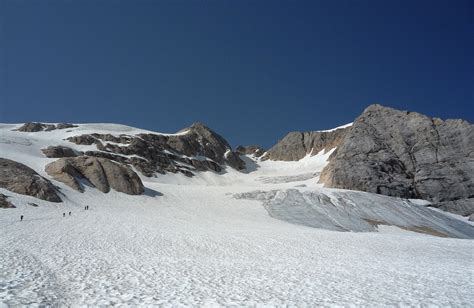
x,y
251,70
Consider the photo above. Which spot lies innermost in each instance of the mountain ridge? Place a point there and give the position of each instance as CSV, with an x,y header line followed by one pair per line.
x,y
69,150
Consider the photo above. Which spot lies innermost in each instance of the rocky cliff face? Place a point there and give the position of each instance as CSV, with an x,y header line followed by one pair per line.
x,y
407,154
297,145
196,148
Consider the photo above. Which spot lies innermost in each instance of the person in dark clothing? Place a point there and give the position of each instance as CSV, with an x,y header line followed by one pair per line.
x,y
69,213
21,218
64,214
85,208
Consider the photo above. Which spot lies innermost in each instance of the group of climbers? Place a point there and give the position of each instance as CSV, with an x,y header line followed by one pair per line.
x,y
86,208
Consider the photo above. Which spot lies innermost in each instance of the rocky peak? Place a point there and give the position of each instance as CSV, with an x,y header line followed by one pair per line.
x,y
406,154
199,140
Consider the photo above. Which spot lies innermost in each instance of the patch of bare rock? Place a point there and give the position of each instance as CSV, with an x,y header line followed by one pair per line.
x,y
101,173
38,127
21,179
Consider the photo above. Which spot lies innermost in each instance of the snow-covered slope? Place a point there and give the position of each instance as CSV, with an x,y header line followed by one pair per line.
x,y
261,236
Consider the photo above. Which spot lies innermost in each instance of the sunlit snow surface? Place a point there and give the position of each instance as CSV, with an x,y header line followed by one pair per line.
x,y
213,240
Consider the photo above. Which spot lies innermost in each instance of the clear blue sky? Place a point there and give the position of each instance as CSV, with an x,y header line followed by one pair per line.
x,y
251,70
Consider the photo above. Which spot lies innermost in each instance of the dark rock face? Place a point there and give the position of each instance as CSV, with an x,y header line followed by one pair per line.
x,y
38,127
297,145
35,127
198,149
65,125
406,154
464,207
59,151
254,150
21,179
102,173
4,203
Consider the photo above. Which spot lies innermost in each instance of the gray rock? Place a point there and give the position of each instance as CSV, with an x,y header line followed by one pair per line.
x,y
32,127
65,125
297,145
405,154
21,179
254,150
59,151
4,203
102,173
471,217
38,127
202,141
199,149
464,207
49,127
83,140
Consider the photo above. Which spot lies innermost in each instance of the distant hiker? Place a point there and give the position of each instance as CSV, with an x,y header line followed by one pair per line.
x,y
64,214
69,213
21,218
85,208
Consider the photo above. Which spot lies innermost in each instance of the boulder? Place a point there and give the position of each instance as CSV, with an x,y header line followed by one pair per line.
x,y
59,151
102,173
21,179
406,154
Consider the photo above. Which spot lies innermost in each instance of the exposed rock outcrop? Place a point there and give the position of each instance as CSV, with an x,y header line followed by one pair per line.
x,y
196,148
464,207
4,203
254,150
21,179
296,145
407,154
38,127
102,173
199,140
59,151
